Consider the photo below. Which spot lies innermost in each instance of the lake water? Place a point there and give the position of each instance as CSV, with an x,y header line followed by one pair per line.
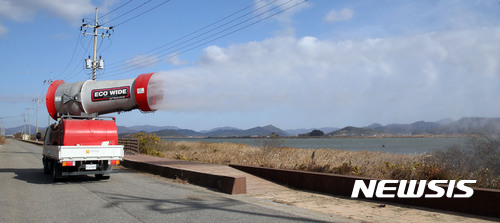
x,y
390,145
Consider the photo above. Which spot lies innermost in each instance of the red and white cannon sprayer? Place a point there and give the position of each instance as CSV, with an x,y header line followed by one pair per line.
x,y
83,142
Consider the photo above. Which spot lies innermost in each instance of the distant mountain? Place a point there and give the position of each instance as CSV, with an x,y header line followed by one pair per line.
x,y
353,131
124,129
189,132
226,133
271,129
374,126
169,133
257,131
222,132
419,127
14,130
151,128
226,128
465,125
296,132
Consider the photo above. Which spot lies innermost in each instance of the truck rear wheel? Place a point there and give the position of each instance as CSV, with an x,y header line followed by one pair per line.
x,y
56,171
46,167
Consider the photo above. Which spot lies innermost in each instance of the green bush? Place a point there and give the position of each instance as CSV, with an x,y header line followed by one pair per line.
x,y
149,143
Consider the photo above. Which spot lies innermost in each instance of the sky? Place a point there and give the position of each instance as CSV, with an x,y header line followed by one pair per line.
x,y
290,63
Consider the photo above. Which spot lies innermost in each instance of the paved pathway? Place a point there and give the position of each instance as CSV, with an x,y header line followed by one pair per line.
x,y
255,185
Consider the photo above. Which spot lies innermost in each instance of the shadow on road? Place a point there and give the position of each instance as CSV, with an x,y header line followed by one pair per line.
x,y
36,176
193,203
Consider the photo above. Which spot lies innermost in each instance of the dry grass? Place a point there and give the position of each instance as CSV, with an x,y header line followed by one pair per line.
x,y
364,163
479,160
2,140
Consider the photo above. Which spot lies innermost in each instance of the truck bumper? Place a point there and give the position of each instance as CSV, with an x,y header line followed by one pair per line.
x,y
104,172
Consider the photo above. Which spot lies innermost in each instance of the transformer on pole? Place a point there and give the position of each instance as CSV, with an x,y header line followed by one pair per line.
x,y
93,63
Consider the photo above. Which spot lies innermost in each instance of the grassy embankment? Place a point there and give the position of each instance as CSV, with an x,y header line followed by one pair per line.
x,y
478,159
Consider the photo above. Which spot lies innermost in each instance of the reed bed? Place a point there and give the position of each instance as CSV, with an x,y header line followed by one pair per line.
x,y
479,159
363,163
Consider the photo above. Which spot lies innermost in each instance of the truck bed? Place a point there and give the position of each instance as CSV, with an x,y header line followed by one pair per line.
x,y
84,153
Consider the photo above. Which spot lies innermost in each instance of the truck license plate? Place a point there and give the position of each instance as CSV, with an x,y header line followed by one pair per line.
x,y
91,167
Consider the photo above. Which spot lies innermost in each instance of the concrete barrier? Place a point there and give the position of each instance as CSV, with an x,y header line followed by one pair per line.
x,y
485,202
225,184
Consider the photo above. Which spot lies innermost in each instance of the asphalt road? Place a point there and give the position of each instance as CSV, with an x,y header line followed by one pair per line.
x,y
27,195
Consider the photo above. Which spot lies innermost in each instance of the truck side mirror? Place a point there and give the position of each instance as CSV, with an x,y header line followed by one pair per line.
x,y
38,135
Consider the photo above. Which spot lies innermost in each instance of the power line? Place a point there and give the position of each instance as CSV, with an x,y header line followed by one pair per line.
x,y
72,74
71,60
199,30
207,39
142,13
199,43
151,58
115,9
127,12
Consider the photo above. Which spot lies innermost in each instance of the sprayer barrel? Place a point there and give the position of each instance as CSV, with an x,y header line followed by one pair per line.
x,y
102,97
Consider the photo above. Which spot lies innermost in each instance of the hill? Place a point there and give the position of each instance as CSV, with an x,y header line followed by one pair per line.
x,y
466,125
217,132
256,131
353,131
296,132
151,128
14,130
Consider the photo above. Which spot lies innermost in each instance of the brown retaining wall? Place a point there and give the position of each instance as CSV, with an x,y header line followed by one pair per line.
x,y
226,184
485,202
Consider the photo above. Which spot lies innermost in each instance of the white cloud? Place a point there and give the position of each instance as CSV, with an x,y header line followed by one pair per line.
x,y
25,10
72,11
16,10
429,76
337,16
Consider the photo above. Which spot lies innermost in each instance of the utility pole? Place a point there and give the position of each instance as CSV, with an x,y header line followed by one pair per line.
x,y
29,123
24,129
37,100
49,81
94,64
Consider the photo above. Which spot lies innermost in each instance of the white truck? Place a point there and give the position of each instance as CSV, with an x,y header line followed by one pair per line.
x,y
82,142
72,147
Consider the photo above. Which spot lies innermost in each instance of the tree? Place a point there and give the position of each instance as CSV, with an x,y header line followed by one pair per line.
x,y
317,133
